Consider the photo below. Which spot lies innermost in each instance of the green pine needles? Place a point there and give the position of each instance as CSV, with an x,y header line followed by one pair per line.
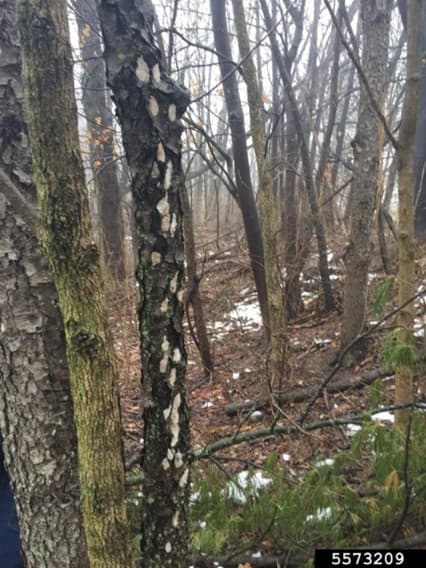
x,y
354,498
398,353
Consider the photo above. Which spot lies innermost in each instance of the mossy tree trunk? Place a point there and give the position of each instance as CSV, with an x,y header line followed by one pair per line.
x,y
149,108
74,262
36,413
367,148
406,243
278,339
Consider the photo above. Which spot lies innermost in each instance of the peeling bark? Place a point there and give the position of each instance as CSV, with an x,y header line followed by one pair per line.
x,y
149,108
36,414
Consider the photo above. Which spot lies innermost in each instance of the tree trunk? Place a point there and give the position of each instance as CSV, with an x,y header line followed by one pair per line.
x,y
367,148
100,134
239,147
323,176
36,415
74,262
420,144
149,108
406,244
278,342
193,296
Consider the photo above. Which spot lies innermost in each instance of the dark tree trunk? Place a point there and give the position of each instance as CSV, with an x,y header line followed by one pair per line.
x,y
100,134
36,415
149,107
239,148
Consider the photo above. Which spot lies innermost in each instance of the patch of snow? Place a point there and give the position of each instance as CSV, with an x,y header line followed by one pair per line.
x,y
256,416
323,462
207,404
235,375
194,497
286,457
352,429
319,341
320,514
248,314
248,370
383,416
246,484
256,555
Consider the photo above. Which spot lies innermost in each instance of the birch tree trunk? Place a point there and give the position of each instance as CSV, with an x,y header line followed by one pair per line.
x,y
149,108
74,262
36,414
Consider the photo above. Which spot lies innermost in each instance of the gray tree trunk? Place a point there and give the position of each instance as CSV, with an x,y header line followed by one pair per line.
x,y
98,113
36,417
420,144
367,147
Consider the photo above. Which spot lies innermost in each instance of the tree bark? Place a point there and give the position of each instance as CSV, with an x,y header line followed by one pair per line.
x,y
406,244
74,262
239,148
367,148
149,108
100,134
193,296
36,414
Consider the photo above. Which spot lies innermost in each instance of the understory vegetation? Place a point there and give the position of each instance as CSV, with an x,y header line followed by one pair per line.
x,y
362,494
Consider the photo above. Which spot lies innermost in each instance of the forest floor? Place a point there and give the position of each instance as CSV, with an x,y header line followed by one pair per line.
x,y
236,337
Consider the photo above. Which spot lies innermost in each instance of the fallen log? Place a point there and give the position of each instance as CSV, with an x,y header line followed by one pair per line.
x,y
300,395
